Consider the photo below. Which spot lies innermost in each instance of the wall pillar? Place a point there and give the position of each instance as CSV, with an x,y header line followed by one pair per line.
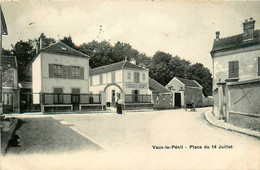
x,y
221,114
103,100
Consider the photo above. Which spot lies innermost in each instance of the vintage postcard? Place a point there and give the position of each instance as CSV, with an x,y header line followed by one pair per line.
x,y
129,84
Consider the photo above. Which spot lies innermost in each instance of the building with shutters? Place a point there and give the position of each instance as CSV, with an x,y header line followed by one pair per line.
x,y
124,80
236,73
60,69
185,90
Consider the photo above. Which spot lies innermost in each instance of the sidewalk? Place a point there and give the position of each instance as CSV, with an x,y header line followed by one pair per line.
x,y
8,126
221,124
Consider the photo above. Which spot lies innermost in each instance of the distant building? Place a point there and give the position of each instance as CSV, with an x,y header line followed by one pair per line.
x,y
162,97
185,90
59,69
236,73
10,84
124,80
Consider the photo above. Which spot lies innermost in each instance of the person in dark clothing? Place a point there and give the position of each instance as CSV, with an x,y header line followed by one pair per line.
x,y
119,106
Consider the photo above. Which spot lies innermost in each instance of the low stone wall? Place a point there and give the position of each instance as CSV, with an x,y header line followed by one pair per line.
x,y
245,121
133,106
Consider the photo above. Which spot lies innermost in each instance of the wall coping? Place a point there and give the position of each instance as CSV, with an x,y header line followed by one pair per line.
x,y
245,82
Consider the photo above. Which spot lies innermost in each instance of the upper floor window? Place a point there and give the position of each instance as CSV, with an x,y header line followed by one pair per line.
x,y
113,77
101,79
129,75
136,77
143,76
75,72
233,69
57,71
66,72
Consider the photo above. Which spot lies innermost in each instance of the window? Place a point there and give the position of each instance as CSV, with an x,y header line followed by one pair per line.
x,y
91,81
57,71
113,77
258,66
129,75
233,68
143,76
101,79
136,77
58,96
75,72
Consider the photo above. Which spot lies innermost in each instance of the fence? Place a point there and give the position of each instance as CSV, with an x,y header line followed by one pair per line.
x,y
68,98
140,98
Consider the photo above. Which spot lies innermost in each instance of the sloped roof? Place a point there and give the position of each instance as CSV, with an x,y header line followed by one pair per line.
x,y
234,42
113,67
157,87
61,48
187,82
9,61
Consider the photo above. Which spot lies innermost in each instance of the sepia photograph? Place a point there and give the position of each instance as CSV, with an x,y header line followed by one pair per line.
x,y
130,84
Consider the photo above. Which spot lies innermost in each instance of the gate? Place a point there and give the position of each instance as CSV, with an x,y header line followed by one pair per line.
x,y
30,102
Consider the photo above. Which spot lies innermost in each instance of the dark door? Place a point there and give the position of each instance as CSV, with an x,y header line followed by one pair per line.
x,y
113,97
135,96
75,98
7,102
177,100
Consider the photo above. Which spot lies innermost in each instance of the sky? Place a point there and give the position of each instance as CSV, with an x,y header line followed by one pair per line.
x,y
183,28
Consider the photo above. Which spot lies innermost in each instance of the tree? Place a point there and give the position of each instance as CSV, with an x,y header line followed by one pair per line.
x,y
68,41
24,52
202,75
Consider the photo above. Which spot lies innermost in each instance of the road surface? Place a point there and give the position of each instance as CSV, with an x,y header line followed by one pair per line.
x,y
170,139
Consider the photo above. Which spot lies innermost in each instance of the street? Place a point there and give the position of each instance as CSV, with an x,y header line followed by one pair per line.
x,y
170,139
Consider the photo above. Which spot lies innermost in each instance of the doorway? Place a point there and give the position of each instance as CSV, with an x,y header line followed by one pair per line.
x,y
75,98
177,100
113,97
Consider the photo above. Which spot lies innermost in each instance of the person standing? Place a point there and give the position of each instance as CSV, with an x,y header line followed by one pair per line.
x,y
119,103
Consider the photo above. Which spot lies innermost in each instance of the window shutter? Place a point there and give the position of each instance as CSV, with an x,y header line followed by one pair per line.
x,y
236,69
69,72
81,76
65,72
136,77
230,70
51,71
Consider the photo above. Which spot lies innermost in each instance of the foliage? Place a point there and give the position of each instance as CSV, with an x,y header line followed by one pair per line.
x,y
162,66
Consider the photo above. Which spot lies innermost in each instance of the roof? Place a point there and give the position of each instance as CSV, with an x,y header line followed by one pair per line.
x,y
157,87
190,83
9,61
61,48
4,27
113,67
235,42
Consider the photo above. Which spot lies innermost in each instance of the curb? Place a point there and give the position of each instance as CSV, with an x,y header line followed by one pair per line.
x,y
215,122
9,134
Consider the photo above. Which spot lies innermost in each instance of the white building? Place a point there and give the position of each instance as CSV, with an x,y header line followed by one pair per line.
x,y
60,69
121,80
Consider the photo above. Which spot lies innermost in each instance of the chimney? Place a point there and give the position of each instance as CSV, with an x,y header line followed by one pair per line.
x,y
248,28
40,43
133,61
217,35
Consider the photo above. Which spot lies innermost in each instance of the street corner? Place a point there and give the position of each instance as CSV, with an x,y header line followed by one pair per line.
x,y
225,125
8,126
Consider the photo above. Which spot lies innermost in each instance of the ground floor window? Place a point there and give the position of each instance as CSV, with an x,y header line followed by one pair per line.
x,y
58,97
8,99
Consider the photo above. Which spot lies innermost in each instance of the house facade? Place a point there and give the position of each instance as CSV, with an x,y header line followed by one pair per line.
x,y
236,73
161,97
59,69
10,84
185,90
123,80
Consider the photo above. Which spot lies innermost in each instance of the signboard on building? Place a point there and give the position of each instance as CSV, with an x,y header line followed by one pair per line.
x,y
136,85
